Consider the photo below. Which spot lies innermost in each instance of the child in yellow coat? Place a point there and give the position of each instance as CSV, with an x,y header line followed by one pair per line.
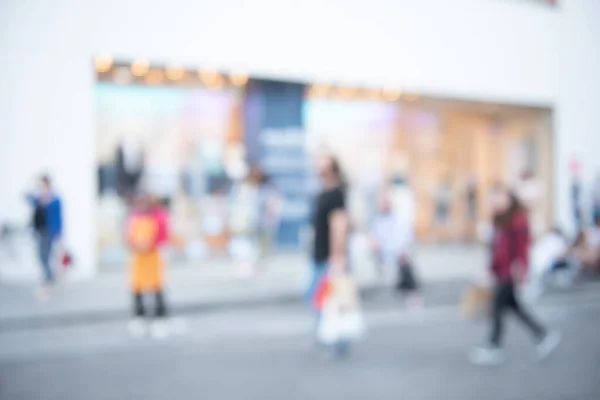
x,y
146,230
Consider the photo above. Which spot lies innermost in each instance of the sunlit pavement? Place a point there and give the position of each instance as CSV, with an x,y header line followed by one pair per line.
x,y
212,284
269,354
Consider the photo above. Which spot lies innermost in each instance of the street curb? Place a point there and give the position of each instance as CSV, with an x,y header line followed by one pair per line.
x,y
191,308
435,293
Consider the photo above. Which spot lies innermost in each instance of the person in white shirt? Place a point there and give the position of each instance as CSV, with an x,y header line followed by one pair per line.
x,y
393,241
550,264
596,199
586,249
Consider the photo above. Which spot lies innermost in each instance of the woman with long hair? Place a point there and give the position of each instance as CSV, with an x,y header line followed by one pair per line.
x,y
330,227
509,262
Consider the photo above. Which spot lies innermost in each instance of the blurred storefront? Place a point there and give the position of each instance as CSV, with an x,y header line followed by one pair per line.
x,y
188,137
186,143
500,52
452,153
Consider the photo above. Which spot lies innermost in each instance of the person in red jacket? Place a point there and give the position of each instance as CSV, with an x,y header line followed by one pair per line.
x,y
509,262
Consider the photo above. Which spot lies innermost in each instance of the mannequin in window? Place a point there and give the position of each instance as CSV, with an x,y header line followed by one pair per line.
x,y
471,207
529,192
130,165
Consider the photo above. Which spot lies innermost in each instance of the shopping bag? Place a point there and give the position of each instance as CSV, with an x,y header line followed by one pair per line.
x,y
337,325
62,256
475,300
243,248
344,291
321,292
341,318
66,259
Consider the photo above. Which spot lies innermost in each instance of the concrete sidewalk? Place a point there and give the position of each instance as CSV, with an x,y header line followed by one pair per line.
x,y
217,284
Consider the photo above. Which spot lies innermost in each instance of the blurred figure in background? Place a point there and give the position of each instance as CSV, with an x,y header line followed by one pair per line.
x,y
509,262
551,264
130,165
471,208
596,199
146,231
249,221
402,199
576,196
393,239
586,248
48,225
475,300
443,208
331,225
529,193
271,211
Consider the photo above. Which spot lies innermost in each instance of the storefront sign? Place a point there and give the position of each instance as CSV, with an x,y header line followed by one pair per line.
x,y
275,142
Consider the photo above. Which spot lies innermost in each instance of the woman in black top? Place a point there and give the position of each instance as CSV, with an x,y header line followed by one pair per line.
x,y
330,218
330,222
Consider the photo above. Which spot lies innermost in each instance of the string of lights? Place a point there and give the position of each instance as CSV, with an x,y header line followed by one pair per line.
x,y
142,72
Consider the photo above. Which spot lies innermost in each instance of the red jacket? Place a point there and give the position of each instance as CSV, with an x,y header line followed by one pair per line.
x,y
509,245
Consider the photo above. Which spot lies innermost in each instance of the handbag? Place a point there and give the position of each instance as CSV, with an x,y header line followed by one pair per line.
x,y
66,260
62,256
341,318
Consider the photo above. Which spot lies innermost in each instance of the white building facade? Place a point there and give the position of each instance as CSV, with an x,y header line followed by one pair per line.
x,y
491,50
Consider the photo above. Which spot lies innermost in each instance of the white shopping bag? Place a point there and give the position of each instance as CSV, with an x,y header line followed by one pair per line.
x,y
242,248
341,317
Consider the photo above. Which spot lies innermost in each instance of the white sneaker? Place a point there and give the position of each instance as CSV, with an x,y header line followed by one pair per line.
x,y
160,329
547,345
137,327
486,356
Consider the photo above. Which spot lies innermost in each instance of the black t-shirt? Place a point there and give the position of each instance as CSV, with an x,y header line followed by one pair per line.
x,y
326,203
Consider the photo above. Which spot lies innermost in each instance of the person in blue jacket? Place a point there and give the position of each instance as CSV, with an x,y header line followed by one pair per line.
x,y
47,224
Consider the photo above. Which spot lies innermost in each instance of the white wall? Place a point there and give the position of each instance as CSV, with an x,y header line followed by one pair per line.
x,y
484,49
577,122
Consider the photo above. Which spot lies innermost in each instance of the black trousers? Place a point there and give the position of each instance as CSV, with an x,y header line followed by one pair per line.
x,y
160,309
407,281
505,299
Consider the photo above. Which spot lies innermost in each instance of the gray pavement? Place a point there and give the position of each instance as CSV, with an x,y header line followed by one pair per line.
x,y
268,354
216,284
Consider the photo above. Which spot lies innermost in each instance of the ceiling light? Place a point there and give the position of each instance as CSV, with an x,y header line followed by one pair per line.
x,y
373,94
211,79
175,73
217,82
319,90
410,98
208,76
140,68
238,79
154,77
346,92
391,95
103,62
